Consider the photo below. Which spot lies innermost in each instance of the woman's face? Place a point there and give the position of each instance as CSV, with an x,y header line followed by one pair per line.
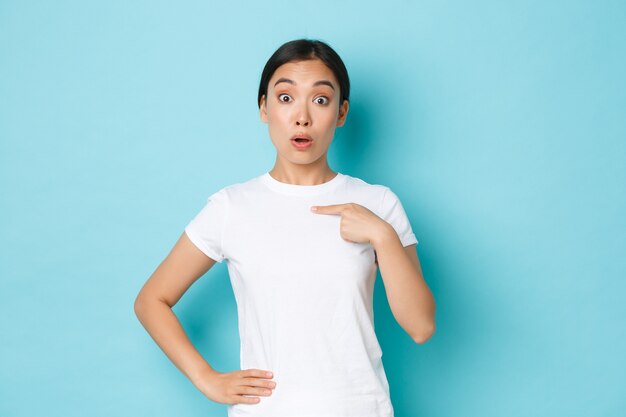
x,y
303,98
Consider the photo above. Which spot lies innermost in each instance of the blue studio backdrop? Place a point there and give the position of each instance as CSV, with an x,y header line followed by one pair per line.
x,y
500,125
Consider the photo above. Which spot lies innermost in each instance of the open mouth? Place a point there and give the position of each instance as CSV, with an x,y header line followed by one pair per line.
x,y
301,143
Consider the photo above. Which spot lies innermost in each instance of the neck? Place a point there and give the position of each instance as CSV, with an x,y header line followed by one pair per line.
x,y
300,174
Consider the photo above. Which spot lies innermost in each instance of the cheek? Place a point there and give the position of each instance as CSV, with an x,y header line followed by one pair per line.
x,y
328,118
278,114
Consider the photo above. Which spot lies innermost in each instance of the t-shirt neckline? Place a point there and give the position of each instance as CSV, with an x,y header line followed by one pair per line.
x,y
302,190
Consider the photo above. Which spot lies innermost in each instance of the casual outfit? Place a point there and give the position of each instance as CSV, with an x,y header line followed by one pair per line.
x,y
303,293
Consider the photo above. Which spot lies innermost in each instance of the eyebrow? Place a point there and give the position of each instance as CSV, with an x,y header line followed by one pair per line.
x,y
320,82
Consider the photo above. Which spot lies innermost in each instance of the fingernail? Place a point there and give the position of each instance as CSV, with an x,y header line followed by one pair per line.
x,y
314,208
269,374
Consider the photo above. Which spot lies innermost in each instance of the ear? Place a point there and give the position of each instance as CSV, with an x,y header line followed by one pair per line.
x,y
263,109
343,113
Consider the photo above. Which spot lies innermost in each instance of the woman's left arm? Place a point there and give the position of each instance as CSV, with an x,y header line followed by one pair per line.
x,y
410,299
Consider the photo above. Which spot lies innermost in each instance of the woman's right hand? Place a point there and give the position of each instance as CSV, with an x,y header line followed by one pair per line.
x,y
230,387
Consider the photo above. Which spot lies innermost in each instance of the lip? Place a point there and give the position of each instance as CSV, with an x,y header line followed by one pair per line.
x,y
301,135
301,145
304,145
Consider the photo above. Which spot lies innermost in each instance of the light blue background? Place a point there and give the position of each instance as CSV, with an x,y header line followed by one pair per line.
x,y
500,125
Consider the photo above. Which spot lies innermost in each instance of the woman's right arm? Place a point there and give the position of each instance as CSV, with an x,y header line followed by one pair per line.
x,y
153,306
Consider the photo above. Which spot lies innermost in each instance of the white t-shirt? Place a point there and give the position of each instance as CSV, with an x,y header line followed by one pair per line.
x,y
303,293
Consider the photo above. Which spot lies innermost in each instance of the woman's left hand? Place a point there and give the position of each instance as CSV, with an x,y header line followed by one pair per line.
x,y
358,223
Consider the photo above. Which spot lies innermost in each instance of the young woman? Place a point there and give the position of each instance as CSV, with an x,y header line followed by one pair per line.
x,y
302,245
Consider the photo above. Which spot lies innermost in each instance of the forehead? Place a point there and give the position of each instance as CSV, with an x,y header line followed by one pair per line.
x,y
304,73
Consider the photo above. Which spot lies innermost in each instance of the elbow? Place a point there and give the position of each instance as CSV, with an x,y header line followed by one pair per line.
x,y
141,305
424,334
138,306
145,302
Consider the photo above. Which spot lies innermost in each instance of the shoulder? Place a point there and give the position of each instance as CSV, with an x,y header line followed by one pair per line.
x,y
360,185
369,191
235,192
379,198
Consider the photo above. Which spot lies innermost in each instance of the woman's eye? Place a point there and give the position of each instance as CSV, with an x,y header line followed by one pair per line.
x,y
280,98
323,98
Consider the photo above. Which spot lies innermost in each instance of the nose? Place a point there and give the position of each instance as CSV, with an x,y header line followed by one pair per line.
x,y
303,116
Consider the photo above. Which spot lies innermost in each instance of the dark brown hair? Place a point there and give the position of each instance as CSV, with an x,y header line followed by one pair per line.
x,y
302,50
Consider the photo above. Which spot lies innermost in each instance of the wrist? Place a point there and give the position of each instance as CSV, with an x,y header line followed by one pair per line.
x,y
202,374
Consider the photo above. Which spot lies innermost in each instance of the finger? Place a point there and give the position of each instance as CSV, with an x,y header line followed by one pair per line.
x,y
331,209
257,382
255,391
257,373
246,400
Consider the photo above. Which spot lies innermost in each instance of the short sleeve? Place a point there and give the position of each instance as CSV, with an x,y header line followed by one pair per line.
x,y
205,230
394,214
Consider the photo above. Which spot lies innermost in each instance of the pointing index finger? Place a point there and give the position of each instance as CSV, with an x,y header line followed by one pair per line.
x,y
330,209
